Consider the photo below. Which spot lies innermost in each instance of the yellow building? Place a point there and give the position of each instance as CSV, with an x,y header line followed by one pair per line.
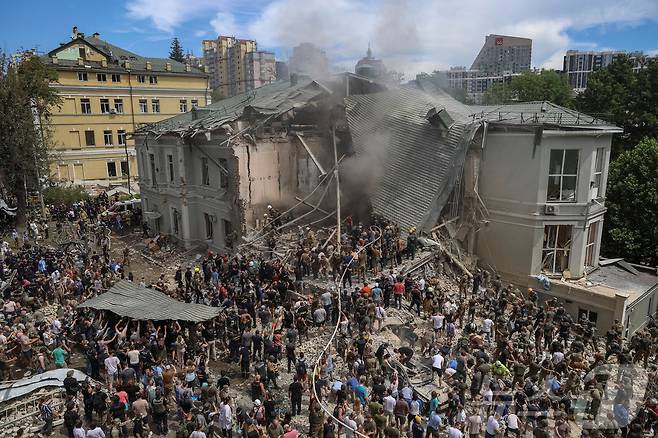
x,y
226,60
108,92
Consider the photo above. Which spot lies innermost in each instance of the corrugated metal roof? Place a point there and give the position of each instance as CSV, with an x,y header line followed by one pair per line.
x,y
275,98
539,112
420,164
128,299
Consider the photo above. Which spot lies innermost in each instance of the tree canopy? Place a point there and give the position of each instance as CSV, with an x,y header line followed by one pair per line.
x,y
25,103
632,199
176,50
625,98
531,86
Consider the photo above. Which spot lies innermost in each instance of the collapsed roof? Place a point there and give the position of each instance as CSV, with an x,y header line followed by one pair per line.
x,y
128,299
269,100
420,160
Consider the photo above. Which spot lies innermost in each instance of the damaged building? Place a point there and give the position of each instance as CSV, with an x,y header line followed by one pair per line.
x,y
520,188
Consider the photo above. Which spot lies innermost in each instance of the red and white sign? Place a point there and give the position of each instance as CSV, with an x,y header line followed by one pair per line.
x,y
499,41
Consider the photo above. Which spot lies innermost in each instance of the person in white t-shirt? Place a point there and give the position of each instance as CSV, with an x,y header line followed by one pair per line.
x,y
437,365
513,424
487,328
111,367
438,321
493,427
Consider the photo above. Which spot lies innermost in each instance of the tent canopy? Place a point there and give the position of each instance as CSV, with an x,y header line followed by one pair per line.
x,y
132,301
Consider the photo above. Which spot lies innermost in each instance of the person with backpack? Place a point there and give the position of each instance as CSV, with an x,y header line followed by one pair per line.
x,y
47,415
159,410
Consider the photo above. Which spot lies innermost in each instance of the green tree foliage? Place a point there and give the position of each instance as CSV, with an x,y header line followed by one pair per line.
x,y
531,86
632,200
625,98
25,103
58,194
176,50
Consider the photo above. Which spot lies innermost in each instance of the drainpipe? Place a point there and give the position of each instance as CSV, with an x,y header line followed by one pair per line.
x,y
132,114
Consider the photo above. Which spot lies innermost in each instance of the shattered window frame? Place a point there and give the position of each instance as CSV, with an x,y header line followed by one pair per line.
x,y
556,248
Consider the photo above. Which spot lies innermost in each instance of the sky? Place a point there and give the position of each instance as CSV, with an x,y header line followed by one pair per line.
x,y
411,36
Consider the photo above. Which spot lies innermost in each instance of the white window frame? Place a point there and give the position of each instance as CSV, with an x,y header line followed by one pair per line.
x,y
552,248
105,106
118,106
82,76
143,106
182,105
597,177
101,77
108,135
85,106
153,80
562,176
591,244
155,106
121,137
141,79
116,77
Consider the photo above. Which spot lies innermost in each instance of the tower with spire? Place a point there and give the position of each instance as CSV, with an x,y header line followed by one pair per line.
x,y
370,66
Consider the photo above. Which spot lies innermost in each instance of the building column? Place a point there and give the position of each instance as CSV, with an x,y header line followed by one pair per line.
x,y
185,226
577,255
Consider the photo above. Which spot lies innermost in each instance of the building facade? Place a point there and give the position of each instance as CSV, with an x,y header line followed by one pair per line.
x,y
370,66
502,54
544,191
260,69
308,60
107,93
500,59
579,65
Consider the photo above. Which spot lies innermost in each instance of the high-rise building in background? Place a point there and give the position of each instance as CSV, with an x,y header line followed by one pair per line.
x,y
309,60
107,92
282,71
260,69
502,54
235,65
500,59
579,65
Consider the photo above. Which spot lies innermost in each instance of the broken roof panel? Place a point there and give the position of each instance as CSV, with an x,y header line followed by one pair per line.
x,y
420,162
128,299
272,99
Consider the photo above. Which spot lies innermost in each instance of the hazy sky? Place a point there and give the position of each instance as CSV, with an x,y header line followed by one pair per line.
x,y
409,35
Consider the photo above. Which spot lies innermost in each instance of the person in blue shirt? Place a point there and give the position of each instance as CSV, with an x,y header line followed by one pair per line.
x,y
376,293
622,416
361,393
434,402
434,423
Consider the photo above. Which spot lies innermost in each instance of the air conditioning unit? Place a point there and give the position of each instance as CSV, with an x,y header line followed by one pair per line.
x,y
550,209
113,111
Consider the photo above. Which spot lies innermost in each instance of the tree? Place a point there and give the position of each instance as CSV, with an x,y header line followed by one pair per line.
x,y
25,102
631,226
176,51
625,98
531,86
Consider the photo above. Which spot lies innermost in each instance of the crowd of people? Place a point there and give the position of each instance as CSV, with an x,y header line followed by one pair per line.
x,y
500,363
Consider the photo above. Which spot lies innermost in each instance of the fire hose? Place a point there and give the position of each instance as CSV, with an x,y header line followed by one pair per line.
x,y
339,283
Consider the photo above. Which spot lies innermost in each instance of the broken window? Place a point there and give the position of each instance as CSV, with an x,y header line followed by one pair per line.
x,y
175,221
589,315
209,226
590,248
205,175
598,172
562,175
228,228
556,248
223,176
111,169
153,169
118,106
